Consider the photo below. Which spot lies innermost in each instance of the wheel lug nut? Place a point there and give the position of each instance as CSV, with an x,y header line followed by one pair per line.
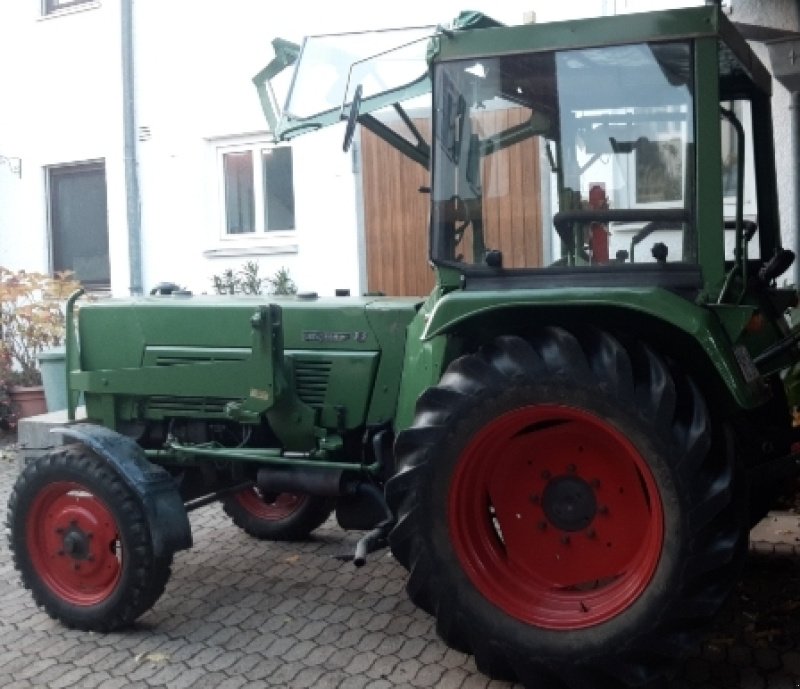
x,y
61,553
542,525
545,474
591,533
565,539
603,509
571,469
76,566
534,499
59,530
595,483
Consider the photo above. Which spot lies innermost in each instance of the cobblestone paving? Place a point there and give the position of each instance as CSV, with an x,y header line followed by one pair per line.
x,y
242,613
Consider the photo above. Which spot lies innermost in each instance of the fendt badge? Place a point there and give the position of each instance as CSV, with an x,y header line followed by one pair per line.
x,y
326,336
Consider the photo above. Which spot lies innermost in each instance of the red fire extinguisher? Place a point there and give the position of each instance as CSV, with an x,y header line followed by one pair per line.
x,y
598,231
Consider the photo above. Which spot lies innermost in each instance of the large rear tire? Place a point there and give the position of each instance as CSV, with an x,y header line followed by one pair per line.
x,y
81,542
566,510
277,517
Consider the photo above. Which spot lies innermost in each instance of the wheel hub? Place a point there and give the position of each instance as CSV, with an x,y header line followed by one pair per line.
x,y
569,503
76,543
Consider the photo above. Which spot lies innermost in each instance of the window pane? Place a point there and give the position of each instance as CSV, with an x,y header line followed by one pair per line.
x,y
278,189
78,222
571,158
239,200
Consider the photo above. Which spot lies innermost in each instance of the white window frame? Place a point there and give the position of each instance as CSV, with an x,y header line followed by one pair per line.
x,y
261,241
750,201
69,8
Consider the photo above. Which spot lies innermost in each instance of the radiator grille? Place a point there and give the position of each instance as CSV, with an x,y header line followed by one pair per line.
x,y
311,380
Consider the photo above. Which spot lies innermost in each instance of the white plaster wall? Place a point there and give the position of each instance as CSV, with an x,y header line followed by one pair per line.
x,y
62,103
61,99
781,14
194,92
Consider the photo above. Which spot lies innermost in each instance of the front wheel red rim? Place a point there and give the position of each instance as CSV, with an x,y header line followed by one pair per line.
x,y
272,508
556,517
74,543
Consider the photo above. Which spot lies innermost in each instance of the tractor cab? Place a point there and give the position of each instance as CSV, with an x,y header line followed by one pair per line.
x,y
628,163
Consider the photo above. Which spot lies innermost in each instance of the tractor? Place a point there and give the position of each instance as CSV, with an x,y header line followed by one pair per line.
x,y
565,444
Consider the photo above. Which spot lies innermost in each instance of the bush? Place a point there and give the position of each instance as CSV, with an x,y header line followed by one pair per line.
x,y
246,280
31,320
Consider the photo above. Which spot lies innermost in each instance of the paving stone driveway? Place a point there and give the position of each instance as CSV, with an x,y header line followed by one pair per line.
x,y
242,613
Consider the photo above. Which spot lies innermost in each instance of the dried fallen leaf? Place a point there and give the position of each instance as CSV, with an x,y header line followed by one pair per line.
x,y
152,657
292,559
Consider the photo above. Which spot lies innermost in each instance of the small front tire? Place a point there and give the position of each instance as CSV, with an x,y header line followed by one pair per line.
x,y
81,542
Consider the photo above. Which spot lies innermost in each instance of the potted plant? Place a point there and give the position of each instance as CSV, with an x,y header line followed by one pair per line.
x,y
31,321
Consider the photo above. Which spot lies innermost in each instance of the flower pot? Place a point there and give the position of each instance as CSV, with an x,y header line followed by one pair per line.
x,y
28,401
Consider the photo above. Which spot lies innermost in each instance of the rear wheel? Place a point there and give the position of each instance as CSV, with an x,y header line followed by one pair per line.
x,y
277,517
565,512
81,542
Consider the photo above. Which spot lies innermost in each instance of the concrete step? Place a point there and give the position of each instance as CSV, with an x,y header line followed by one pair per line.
x,y
34,437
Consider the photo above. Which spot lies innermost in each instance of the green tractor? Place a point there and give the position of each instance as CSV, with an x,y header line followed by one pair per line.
x,y
565,444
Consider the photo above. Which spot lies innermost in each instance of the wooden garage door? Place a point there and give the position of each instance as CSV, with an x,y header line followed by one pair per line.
x,y
396,213
396,218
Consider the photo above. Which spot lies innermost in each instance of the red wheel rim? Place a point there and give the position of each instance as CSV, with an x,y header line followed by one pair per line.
x,y
271,508
74,543
556,517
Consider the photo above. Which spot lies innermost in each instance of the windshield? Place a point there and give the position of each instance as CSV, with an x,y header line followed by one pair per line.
x,y
330,68
574,158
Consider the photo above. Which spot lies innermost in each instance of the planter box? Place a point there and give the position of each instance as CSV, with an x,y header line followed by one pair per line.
x,y
28,401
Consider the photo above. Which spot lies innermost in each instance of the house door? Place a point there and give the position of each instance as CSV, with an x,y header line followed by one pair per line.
x,y
396,217
396,213
79,222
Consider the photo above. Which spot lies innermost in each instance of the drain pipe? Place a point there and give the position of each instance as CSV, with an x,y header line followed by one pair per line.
x,y
794,114
133,199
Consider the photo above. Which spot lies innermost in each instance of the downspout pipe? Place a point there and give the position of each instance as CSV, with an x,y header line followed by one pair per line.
x,y
132,196
794,116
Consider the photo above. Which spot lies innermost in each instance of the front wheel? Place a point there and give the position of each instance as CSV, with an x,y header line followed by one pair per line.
x,y
276,516
81,542
566,510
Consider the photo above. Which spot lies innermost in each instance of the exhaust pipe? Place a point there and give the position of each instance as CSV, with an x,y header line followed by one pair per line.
x,y
310,480
332,484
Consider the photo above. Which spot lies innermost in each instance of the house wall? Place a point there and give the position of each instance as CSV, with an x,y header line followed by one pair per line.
x,y
61,86
194,96
60,105
780,14
62,93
